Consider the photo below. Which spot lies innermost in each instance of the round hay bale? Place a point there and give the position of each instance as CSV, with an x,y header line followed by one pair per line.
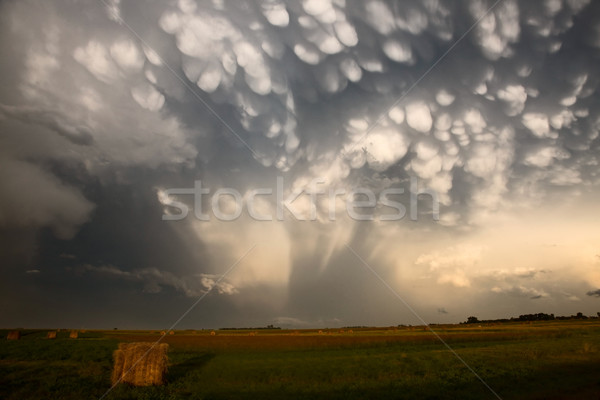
x,y
140,364
13,335
213,333
73,335
51,335
171,333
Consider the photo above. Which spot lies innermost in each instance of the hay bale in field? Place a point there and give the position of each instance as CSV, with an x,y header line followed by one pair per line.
x,y
320,332
51,335
171,333
350,331
73,335
140,364
213,333
13,335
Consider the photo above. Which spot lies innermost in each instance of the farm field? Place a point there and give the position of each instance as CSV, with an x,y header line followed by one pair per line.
x,y
542,360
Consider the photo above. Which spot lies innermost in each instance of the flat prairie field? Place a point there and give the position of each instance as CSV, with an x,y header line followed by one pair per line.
x,y
540,360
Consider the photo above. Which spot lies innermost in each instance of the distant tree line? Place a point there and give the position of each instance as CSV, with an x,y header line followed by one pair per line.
x,y
250,329
530,317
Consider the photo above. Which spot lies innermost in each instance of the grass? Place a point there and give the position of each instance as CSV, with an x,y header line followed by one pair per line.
x,y
546,360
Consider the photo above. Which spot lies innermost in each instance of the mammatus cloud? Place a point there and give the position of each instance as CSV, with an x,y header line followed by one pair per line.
x,y
299,53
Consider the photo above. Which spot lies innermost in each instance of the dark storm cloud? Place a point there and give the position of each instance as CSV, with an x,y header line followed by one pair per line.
x,y
33,197
594,293
76,134
98,120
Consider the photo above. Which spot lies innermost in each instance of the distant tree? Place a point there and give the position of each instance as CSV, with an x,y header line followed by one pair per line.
x,y
536,317
472,320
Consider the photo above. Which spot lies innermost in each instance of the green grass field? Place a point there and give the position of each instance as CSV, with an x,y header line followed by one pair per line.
x,y
543,360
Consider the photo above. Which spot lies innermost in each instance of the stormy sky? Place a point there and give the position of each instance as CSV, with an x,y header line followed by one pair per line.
x,y
113,111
